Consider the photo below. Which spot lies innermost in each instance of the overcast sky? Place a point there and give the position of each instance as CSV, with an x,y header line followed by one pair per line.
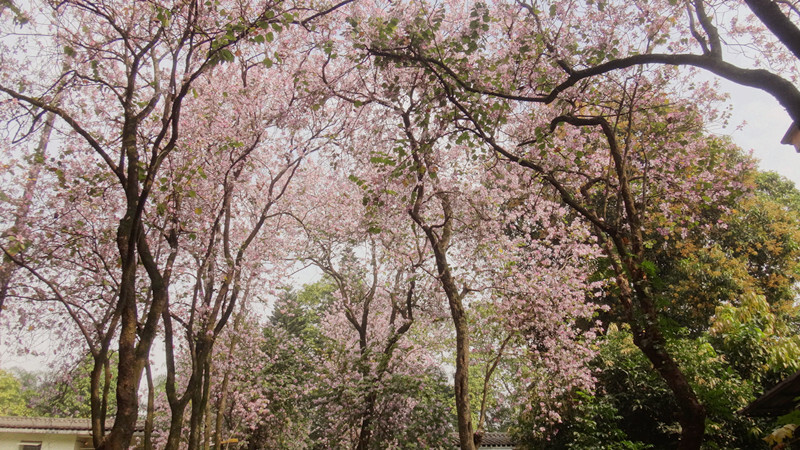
x,y
766,122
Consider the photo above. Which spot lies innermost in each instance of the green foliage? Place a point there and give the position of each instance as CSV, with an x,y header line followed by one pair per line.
x,y
785,434
594,424
299,313
635,391
12,399
20,17
754,250
782,436
315,391
792,417
633,407
765,230
67,393
761,344
51,394
294,343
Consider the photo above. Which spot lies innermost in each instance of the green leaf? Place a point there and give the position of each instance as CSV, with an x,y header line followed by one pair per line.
x,y
226,55
382,160
649,268
356,180
792,417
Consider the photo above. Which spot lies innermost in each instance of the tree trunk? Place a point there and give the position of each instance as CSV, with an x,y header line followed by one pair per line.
x,y
148,421
692,413
466,434
207,426
648,337
177,405
221,406
98,395
199,398
21,214
365,435
440,242
222,403
128,374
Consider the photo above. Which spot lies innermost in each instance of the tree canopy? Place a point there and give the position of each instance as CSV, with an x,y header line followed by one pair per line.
x,y
519,215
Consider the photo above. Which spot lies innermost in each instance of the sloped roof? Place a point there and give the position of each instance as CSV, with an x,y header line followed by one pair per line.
x,y
45,424
495,439
53,425
777,401
491,439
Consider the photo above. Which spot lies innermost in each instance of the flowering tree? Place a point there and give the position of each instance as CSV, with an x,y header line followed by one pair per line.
x,y
471,160
297,381
652,148
23,203
254,130
422,167
620,213
381,300
125,73
548,50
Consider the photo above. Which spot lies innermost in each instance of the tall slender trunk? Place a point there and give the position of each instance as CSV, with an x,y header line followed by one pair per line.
x,y
128,373
199,397
365,434
466,433
177,404
207,424
222,403
487,377
692,413
148,422
647,335
21,214
439,238
133,355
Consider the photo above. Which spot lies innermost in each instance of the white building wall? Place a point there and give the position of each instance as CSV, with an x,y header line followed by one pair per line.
x,y
12,441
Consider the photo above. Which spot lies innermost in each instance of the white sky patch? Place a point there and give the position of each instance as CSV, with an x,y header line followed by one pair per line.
x,y
765,123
